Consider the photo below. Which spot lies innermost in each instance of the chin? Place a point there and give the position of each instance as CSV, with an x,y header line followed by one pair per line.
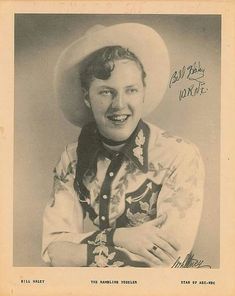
x,y
118,138
119,135
118,131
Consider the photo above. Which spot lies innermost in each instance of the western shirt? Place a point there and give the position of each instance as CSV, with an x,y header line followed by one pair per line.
x,y
154,173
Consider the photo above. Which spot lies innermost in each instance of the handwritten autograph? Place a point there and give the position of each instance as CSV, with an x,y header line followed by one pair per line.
x,y
189,262
194,73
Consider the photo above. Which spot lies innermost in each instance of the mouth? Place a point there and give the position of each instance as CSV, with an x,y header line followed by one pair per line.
x,y
117,118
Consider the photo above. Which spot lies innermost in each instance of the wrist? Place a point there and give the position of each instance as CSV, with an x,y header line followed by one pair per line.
x,y
118,236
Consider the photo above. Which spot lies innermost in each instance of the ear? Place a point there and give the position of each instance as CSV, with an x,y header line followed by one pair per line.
x,y
144,93
86,101
86,97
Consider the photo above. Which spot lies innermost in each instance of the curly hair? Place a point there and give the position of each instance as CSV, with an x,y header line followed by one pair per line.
x,y
101,63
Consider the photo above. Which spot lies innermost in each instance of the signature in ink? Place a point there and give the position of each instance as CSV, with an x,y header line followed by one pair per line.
x,y
189,262
193,90
194,73
191,72
177,76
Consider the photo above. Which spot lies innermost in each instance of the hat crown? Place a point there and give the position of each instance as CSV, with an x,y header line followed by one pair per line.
x,y
94,29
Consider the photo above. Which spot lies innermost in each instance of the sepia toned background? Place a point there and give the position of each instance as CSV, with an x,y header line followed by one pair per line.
x,y
41,132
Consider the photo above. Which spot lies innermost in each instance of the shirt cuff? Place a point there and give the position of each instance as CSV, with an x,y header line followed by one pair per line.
x,y
104,237
101,251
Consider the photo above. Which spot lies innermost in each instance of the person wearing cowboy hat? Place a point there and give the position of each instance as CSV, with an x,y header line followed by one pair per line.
x,y
141,187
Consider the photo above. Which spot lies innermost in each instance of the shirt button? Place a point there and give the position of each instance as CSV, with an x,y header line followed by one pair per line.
x,y
111,174
105,196
103,218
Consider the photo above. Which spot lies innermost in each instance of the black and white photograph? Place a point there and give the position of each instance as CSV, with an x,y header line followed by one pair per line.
x,y
117,148
117,140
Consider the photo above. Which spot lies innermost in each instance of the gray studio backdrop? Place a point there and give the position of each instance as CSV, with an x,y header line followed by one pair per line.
x,y
41,132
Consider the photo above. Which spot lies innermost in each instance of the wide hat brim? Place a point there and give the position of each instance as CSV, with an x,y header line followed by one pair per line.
x,y
142,40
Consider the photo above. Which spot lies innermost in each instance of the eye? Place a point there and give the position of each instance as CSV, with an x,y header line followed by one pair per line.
x,y
106,92
132,90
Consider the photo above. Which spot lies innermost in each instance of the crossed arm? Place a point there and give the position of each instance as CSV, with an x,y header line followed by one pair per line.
x,y
173,231
99,249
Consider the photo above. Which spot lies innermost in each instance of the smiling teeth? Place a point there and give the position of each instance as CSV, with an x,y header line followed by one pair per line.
x,y
118,117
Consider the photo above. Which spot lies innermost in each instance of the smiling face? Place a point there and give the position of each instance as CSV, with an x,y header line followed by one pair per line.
x,y
117,102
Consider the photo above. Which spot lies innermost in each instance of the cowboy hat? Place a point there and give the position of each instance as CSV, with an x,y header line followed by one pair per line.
x,y
140,39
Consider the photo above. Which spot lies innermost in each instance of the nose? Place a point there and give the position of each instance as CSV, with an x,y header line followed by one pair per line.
x,y
118,101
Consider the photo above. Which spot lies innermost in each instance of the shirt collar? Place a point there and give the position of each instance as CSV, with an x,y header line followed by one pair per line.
x,y
136,148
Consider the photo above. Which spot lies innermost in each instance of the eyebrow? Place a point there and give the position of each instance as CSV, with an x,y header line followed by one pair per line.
x,y
110,87
131,85
106,86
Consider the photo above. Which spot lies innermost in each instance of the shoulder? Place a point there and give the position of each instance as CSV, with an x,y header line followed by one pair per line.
x,y
68,157
170,148
71,149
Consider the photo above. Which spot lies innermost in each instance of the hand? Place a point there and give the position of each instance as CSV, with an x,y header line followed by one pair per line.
x,y
142,240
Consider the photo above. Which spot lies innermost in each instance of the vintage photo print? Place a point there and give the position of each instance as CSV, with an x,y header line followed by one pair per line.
x,y
168,139
116,125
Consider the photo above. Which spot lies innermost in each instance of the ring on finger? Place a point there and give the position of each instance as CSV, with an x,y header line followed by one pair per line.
x,y
154,249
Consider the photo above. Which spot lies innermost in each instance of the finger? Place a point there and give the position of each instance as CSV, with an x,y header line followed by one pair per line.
x,y
170,241
150,263
146,254
159,220
166,247
164,257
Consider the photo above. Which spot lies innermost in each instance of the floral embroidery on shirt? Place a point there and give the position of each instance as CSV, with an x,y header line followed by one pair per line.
x,y
181,202
130,168
142,203
60,179
138,151
148,211
63,176
90,176
94,190
159,169
114,201
102,257
168,135
148,187
149,208
179,140
171,183
57,186
130,171
137,218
